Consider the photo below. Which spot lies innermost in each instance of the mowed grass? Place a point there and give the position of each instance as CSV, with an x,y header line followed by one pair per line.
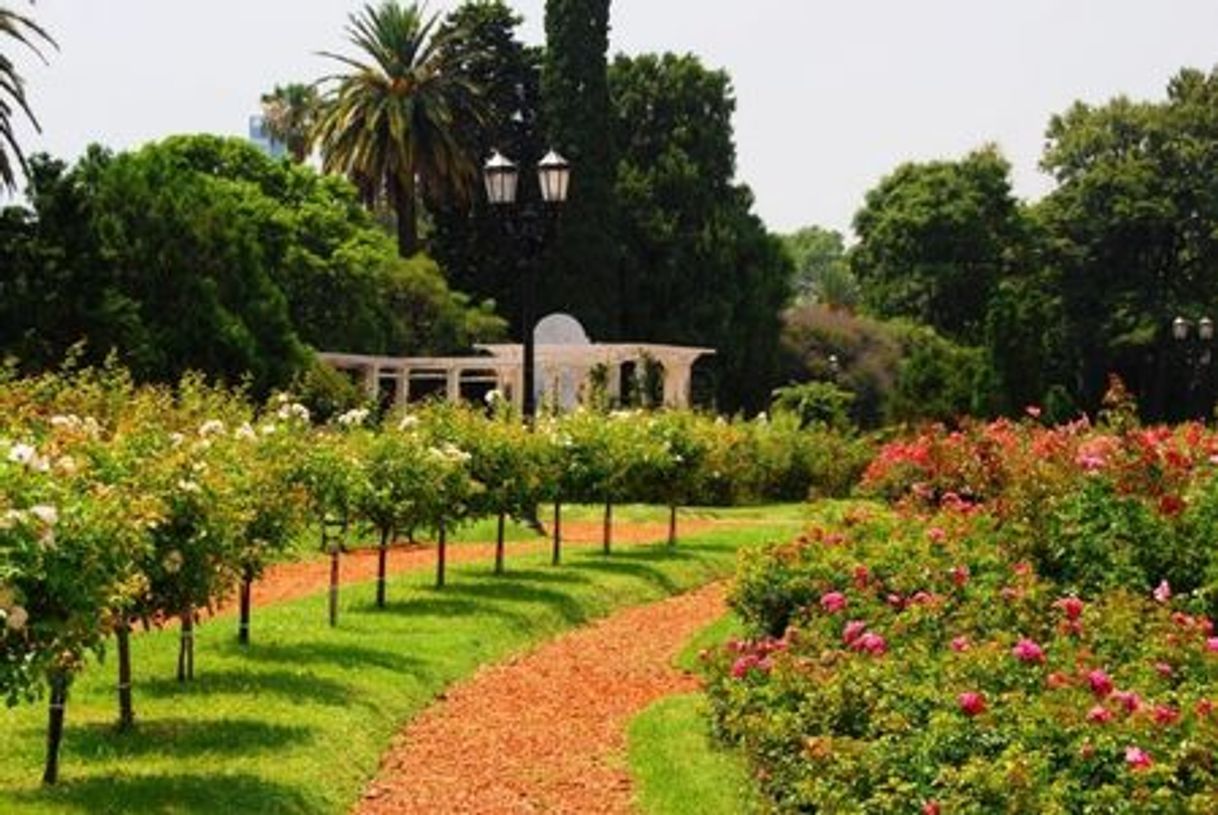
x,y
297,721
678,769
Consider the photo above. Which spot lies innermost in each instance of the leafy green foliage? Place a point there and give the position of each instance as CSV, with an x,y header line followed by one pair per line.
x,y
822,273
201,253
699,267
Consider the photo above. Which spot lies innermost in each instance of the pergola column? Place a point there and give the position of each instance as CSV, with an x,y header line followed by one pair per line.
x,y
401,389
453,384
372,381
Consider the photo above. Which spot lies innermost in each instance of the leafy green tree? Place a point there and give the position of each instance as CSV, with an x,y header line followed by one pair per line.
x,y
934,240
1134,226
290,112
822,273
582,276
394,117
200,252
25,32
699,267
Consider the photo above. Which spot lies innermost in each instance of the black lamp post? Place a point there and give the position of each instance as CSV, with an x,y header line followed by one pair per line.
x,y
502,179
1199,358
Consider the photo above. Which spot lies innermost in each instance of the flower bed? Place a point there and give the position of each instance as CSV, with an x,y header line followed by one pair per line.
x,y
1028,630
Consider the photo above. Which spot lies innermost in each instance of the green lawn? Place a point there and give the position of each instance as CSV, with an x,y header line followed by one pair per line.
x,y
297,722
676,767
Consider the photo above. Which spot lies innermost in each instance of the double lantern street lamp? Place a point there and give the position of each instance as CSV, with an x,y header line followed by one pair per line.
x,y
502,179
1181,328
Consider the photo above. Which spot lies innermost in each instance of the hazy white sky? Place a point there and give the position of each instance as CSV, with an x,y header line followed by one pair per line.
x,y
830,95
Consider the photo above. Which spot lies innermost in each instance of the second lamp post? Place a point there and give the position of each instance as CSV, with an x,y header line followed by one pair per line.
x,y
502,179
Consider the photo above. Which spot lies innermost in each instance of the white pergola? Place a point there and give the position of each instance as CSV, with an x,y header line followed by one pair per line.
x,y
562,370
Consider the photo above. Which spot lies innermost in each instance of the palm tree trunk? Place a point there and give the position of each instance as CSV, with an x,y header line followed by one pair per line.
x,y
557,532
401,195
672,524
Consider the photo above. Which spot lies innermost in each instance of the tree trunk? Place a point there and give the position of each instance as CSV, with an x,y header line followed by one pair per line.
x,y
126,712
243,624
557,557
186,646
382,556
608,524
401,193
333,585
441,554
59,698
499,546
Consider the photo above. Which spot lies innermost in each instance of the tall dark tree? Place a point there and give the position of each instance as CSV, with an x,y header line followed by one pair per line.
x,y
470,242
23,31
934,240
393,121
583,274
1134,222
698,266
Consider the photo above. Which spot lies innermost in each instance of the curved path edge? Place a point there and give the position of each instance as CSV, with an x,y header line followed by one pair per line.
x,y
546,730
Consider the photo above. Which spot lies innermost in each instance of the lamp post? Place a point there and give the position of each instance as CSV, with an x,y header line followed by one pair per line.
x,y
502,179
1182,332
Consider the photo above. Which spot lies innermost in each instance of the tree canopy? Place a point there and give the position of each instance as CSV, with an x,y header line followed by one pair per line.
x,y
698,266
934,238
201,253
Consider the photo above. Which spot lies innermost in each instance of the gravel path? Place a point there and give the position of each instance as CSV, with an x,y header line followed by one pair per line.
x,y
546,731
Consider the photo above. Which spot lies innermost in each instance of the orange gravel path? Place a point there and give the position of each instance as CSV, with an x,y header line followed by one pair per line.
x,y
290,581
546,731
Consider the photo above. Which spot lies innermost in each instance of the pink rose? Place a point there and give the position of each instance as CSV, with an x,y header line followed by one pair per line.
x,y
871,643
861,577
1028,651
853,630
960,575
936,534
743,665
1101,683
1099,714
1137,758
1211,644
971,703
1072,606
961,644
1166,715
930,808
1162,592
1164,669
1129,700
833,602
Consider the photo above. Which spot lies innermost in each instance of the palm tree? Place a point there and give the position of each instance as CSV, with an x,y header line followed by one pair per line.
x,y
290,112
393,122
12,90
